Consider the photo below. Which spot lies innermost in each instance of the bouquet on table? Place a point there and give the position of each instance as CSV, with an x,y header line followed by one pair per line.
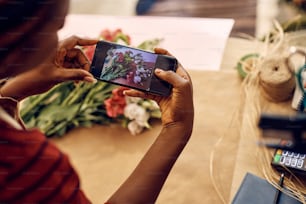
x,y
70,105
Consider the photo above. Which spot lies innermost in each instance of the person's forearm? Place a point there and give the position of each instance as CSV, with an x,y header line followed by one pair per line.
x,y
146,181
16,88
12,90
22,86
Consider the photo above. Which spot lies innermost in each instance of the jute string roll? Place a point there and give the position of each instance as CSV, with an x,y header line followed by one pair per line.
x,y
277,82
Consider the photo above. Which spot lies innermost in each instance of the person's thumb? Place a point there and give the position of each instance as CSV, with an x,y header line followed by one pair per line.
x,y
169,76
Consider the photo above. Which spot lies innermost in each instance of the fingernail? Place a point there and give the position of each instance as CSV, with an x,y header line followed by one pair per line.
x,y
90,79
157,70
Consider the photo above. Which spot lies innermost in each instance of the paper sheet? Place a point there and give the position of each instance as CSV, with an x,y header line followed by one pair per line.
x,y
198,43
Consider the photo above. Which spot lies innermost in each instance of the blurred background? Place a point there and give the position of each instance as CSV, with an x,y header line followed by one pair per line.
x,y
253,17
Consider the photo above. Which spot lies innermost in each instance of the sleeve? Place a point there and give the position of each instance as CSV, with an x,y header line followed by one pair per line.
x,y
33,170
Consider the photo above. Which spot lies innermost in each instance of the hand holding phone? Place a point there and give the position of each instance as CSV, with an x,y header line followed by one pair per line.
x,y
131,67
177,109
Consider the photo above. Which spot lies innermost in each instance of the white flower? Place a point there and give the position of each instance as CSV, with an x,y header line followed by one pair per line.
x,y
141,69
129,99
150,105
154,105
134,127
135,112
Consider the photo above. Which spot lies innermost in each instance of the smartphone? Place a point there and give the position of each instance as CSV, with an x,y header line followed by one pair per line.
x,y
131,67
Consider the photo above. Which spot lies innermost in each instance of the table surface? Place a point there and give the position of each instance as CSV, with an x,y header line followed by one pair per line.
x,y
105,155
215,157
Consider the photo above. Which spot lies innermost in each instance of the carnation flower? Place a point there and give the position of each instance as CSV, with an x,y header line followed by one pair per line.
x,y
115,105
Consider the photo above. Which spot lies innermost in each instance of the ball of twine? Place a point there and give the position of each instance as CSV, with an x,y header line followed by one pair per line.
x,y
277,81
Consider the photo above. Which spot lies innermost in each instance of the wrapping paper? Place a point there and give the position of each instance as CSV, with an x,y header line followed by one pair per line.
x,y
104,156
212,165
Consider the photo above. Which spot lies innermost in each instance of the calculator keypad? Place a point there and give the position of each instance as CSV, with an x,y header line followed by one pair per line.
x,y
290,159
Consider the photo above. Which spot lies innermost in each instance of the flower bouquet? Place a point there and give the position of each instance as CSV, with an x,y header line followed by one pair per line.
x,y
70,105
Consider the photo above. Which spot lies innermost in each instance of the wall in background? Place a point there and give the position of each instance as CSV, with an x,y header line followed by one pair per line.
x,y
104,7
266,10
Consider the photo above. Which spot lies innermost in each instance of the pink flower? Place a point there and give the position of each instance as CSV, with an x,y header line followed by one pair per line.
x,y
106,35
120,57
133,65
116,103
116,32
113,36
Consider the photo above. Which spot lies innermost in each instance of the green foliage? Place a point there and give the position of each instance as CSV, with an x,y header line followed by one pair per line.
x,y
66,106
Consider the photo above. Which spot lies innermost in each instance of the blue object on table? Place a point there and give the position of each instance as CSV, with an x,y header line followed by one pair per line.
x,y
143,6
255,190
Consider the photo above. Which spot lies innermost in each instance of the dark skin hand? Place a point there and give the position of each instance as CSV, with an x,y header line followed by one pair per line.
x,y
147,180
182,84
68,63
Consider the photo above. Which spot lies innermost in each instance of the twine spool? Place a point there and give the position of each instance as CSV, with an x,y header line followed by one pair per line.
x,y
277,81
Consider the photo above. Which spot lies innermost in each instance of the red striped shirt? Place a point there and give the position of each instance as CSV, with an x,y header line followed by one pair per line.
x,y
33,170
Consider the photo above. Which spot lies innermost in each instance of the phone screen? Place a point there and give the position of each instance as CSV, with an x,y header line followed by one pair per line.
x,y
124,65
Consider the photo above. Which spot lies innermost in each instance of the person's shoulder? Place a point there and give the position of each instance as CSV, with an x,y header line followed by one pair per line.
x,y
21,148
27,137
39,169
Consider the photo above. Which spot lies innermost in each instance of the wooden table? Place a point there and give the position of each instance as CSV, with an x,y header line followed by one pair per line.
x,y
215,158
244,12
105,155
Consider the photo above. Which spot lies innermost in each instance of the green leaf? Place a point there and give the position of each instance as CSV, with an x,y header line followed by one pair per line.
x,y
57,112
155,114
58,129
150,44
